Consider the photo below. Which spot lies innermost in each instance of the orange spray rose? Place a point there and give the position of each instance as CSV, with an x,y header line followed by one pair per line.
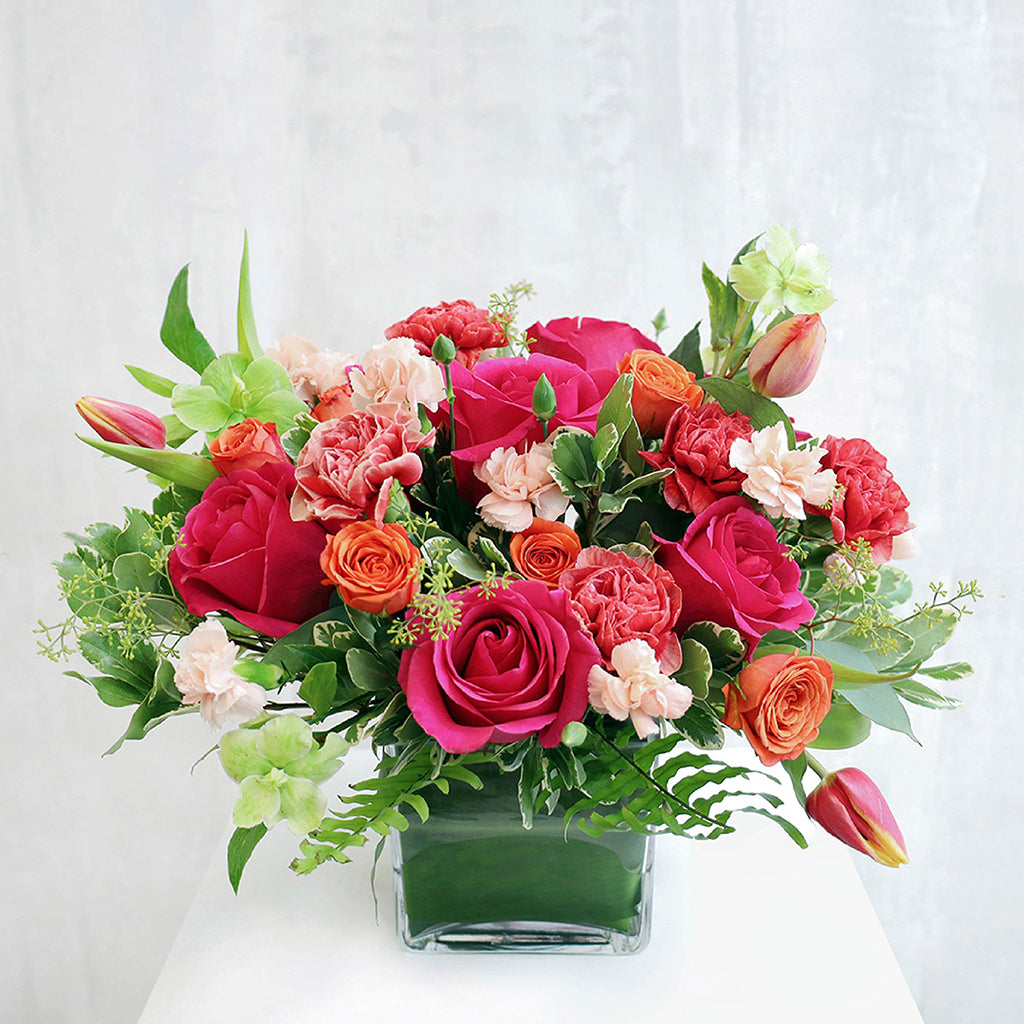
x,y
375,568
779,701
660,386
544,550
246,445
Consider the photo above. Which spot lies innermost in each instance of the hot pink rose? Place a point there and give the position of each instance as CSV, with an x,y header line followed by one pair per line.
x,y
587,342
494,408
696,449
733,571
345,470
870,505
241,552
619,598
470,328
516,665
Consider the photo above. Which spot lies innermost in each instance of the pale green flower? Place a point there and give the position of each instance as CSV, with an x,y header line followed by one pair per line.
x,y
279,768
232,389
784,274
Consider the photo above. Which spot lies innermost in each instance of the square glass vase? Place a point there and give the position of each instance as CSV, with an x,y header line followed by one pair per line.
x,y
473,879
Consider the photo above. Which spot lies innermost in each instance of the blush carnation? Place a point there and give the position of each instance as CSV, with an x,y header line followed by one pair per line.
x,y
696,450
346,469
618,598
519,486
780,479
396,373
869,504
206,676
311,371
470,328
638,690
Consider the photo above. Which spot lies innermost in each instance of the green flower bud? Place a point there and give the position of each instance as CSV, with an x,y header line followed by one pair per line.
x,y
544,401
443,350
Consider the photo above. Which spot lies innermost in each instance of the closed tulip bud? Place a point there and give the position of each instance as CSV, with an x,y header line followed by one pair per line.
x,y
851,807
785,360
121,423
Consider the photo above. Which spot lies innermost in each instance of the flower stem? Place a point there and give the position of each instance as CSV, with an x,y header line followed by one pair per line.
x,y
815,765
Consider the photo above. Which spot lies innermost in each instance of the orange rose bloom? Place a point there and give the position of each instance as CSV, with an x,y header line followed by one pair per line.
x,y
779,701
375,568
544,550
246,445
660,386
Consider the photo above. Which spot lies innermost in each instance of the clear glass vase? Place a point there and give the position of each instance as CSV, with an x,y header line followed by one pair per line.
x,y
471,878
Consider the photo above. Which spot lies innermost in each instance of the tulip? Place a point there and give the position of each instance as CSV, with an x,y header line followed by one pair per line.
x,y
122,423
785,360
851,807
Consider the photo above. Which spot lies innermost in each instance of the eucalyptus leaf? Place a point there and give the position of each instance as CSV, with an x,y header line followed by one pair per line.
x,y
882,705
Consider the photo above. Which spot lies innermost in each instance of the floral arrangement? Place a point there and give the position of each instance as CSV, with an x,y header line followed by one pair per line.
x,y
556,550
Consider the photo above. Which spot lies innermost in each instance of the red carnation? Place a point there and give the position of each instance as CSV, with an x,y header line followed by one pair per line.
x,y
469,327
696,449
870,504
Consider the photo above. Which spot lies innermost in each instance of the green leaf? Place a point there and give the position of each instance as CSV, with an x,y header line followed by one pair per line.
x,y
262,673
917,693
695,670
606,445
191,471
723,644
572,454
881,704
716,292
795,769
954,670
162,386
319,687
844,726
465,564
115,693
701,726
134,571
138,669
929,629
240,847
733,397
179,333
613,504
248,343
617,408
644,480
367,671
687,352
177,432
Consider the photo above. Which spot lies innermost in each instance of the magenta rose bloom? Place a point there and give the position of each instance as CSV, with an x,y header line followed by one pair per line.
x,y
620,598
240,552
696,449
494,408
733,571
589,343
345,470
516,665
470,328
871,506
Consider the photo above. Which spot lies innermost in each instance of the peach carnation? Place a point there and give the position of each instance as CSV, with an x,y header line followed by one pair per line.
x,y
780,479
395,372
638,690
311,371
206,676
520,487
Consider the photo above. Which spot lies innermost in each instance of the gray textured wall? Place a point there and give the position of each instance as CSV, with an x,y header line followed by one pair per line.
x,y
393,154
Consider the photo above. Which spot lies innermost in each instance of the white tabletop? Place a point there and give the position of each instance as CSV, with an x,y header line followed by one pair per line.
x,y
748,927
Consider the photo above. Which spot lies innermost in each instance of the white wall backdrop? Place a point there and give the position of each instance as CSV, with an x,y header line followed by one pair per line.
x,y
393,154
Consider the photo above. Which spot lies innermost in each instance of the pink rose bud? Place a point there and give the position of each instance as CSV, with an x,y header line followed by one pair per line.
x,y
121,423
851,807
785,360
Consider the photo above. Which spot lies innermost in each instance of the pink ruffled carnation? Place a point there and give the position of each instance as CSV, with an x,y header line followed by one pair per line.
x,y
346,469
618,598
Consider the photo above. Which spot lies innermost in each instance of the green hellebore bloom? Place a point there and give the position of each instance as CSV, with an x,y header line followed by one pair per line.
x,y
279,768
232,389
784,274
